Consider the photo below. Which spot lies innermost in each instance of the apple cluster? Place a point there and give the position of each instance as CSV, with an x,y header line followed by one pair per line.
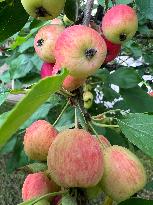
x,y
76,158
80,49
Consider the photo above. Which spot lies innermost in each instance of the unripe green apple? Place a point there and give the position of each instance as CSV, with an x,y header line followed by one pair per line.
x,y
43,9
88,99
120,24
124,174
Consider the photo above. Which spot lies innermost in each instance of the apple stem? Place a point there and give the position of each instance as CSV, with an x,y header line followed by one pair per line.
x,y
65,107
108,201
87,12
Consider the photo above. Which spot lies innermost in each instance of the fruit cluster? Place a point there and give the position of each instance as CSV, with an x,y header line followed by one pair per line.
x,y
75,158
80,49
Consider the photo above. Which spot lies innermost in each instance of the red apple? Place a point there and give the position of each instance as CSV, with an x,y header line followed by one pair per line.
x,y
81,50
112,50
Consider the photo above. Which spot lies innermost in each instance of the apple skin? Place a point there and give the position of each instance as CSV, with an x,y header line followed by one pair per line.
x,y
75,159
43,9
81,50
70,83
112,50
120,24
45,40
57,21
124,174
38,138
36,185
46,70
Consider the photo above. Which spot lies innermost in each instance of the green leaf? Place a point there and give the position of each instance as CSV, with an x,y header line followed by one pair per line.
x,y
68,200
146,8
138,128
20,66
102,2
30,103
137,99
136,201
125,78
35,167
71,9
12,18
41,113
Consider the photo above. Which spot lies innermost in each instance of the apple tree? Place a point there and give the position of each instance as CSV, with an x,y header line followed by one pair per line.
x,y
83,122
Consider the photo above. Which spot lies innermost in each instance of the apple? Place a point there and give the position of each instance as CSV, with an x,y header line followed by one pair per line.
x,y
81,50
75,159
43,9
70,83
46,70
45,41
120,24
124,174
112,50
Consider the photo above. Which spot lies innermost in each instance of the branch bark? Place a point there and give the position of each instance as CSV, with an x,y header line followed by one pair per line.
x,y
87,12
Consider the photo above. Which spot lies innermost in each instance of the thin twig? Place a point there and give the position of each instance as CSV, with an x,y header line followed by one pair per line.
x,y
87,12
65,107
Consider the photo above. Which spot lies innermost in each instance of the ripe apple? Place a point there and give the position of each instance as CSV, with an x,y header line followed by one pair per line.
x,y
43,9
81,50
36,185
45,40
70,83
46,70
112,50
38,138
75,159
120,24
124,174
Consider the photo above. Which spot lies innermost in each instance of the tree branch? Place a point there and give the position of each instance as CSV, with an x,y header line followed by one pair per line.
x,y
87,13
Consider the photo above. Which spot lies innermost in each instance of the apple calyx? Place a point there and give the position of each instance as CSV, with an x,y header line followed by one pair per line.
x,y
41,12
90,53
123,37
40,42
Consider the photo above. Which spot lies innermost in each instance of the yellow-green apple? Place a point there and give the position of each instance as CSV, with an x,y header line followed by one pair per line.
x,y
43,9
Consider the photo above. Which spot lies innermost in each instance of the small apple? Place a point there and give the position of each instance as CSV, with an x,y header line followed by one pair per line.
x,y
81,50
45,40
70,83
43,9
124,174
46,70
75,159
120,24
112,50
